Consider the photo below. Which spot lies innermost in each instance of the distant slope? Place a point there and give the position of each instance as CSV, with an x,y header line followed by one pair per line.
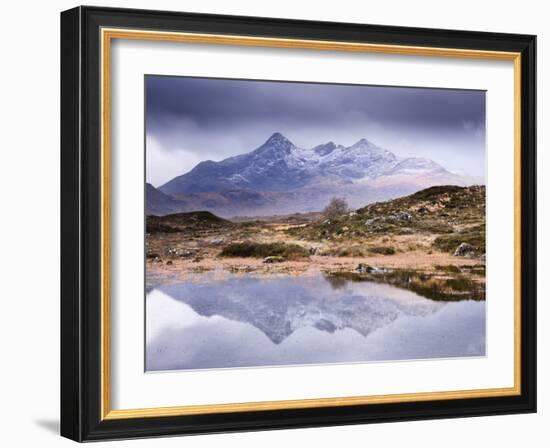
x,y
181,222
158,203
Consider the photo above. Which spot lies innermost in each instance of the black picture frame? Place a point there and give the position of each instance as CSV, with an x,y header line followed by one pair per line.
x,y
81,224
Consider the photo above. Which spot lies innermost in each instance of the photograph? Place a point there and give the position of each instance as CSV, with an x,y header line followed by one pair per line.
x,y
302,223
284,221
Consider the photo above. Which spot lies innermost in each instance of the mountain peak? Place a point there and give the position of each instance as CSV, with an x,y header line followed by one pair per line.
x,y
277,146
325,148
411,164
278,138
362,142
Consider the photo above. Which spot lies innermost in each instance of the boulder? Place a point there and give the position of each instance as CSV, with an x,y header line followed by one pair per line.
x,y
364,268
371,221
403,216
186,253
273,259
465,250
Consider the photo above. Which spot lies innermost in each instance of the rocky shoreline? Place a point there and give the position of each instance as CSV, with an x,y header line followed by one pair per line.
x,y
437,276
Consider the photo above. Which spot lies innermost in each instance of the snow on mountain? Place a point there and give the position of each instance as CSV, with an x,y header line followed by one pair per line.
x,y
362,159
416,165
280,177
326,148
274,166
279,165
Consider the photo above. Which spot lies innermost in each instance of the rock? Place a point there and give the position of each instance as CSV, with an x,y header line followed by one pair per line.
x,y
186,253
482,258
464,250
403,216
273,259
217,241
169,262
325,325
345,229
313,250
364,268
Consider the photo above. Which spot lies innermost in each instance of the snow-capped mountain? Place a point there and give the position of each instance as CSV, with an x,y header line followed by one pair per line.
x,y
293,179
279,165
362,160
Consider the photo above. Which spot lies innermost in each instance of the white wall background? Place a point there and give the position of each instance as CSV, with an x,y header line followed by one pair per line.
x,y
29,235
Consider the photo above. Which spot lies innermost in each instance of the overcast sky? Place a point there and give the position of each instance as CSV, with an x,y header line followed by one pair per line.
x,y
193,119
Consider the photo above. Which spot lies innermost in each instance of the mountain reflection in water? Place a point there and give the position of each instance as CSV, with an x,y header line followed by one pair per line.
x,y
250,321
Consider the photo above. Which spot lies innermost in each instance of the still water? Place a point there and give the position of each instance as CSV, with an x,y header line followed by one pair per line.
x,y
250,321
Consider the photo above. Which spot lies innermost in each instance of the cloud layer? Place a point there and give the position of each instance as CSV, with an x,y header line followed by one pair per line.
x,y
194,119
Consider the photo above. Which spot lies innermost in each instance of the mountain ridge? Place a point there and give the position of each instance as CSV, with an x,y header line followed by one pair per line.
x,y
280,165
280,177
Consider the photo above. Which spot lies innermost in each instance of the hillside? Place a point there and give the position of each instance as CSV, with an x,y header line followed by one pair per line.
x,y
453,214
186,222
159,203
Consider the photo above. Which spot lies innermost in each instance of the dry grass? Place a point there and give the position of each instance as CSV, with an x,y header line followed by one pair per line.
x,y
262,250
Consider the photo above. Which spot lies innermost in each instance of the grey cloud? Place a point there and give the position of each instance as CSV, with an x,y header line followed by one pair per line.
x,y
221,117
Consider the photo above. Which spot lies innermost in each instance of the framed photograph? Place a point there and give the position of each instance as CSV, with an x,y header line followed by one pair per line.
x,y
274,223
